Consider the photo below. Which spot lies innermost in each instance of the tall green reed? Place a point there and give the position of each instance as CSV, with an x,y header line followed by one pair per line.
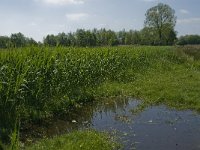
x,y
39,82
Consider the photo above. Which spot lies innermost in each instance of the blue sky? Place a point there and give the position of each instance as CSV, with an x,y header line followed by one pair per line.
x,y
37,18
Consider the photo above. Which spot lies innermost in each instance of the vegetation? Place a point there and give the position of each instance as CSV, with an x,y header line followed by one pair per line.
x,y
88,38
16,40
189,40
170,80
161,20
36,83
84,140
102,37
175,87
191,50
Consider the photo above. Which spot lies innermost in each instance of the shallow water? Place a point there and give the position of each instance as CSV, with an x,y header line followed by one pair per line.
x,y
157,127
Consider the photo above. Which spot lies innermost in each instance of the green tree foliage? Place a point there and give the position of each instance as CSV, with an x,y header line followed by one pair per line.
x,y
31,42
189,39
50,40
132,38
84,38
18,40
162,20
4,42
148,36
112,38
62,40
121,37
170,37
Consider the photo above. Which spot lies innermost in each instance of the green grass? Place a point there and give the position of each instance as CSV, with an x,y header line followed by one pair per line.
x,y
37,83
80,140
173,83
191,50
178,88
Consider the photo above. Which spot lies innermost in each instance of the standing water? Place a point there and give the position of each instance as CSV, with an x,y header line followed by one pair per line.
x,y
157,127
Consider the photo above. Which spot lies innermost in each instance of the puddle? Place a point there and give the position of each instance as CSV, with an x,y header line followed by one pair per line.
x,y
157,127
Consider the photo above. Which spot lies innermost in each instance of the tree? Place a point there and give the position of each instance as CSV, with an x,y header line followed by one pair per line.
x,y
121,35
72,39
62,40
132,37
146,35
81,38
50,40
18,40
189,39
111,38
31,42
171,37
162,18
5,42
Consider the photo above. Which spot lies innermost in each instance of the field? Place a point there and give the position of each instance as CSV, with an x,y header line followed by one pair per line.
x,y
40,82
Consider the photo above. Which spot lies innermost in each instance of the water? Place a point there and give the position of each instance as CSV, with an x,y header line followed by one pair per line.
x,y
157,127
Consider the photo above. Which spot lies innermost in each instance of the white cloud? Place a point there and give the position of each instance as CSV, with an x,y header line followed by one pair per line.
x,y
77,16
188,21
62,2
184,11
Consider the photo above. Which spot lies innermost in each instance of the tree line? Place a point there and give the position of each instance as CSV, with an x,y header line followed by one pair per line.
x,y
158,30
101,37
189,40
16,40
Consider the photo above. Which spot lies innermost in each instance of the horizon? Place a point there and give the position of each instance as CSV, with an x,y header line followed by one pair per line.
x,y
38,18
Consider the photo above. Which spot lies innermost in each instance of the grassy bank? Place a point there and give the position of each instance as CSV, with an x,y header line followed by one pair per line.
x,y
84,140
178,88
36,83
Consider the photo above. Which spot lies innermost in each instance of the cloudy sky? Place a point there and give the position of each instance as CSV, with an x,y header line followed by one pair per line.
x,y
37,18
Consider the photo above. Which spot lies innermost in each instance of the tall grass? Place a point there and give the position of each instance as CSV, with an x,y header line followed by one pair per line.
x,y
39,82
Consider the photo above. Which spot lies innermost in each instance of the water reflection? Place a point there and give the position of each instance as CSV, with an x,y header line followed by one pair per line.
x,y
155,128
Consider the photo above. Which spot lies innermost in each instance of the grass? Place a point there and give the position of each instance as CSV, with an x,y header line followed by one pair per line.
x,y
173,83
84,140
37,83
178,88
191,50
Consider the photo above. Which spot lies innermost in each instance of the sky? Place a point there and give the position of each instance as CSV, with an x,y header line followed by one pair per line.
x,y
37,18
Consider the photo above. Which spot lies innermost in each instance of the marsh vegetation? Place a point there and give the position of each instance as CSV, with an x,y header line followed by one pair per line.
x,y
38,83
42,82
